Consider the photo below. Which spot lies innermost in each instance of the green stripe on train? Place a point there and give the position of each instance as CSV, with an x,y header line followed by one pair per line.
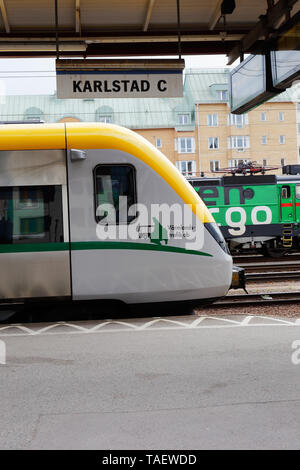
x,y
33,247
97,245
133,246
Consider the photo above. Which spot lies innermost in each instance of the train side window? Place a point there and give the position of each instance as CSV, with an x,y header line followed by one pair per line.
x,y
115,185
285,192
297,191
31,214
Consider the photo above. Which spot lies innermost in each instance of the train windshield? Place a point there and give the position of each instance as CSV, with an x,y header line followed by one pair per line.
x,y
215,232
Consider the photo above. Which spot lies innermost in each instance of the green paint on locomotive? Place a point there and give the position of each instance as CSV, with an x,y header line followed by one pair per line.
x,y
237,206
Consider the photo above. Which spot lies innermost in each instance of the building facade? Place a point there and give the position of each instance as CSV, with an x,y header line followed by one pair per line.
x,y
197,132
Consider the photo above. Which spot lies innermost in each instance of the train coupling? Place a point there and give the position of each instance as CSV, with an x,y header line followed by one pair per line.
x,y
238,278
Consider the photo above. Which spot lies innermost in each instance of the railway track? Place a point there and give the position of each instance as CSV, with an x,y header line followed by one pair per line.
x,y
236,301
246,259
260,269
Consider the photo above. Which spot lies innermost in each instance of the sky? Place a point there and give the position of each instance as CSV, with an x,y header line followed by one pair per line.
x,y
37,76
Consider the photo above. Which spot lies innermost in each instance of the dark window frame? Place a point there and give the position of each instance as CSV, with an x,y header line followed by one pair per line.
x,y
286,188
97,218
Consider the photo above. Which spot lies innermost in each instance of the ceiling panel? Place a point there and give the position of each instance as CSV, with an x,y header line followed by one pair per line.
x,y
103,21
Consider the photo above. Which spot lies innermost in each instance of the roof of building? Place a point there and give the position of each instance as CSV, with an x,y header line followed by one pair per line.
x,y
132,113
200,86
203,85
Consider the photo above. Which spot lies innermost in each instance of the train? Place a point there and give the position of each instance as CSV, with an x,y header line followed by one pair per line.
x,y
255,212
73,198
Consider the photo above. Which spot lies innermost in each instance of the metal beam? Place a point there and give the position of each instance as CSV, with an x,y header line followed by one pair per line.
x,y
4,16
129,49
215,16
124,39
77,16
148,14
262,28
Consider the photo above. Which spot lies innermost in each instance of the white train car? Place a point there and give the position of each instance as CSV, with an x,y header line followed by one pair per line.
x,y
53,177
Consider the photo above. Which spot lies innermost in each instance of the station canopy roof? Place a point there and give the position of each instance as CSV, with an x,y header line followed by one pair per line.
x,y
138,27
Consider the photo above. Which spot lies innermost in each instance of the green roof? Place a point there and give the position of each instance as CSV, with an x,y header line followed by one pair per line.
x,y
132,113
200,86
203,84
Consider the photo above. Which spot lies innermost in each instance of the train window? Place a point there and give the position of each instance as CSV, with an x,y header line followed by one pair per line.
x,y
30,214
285,192
297,191
112,184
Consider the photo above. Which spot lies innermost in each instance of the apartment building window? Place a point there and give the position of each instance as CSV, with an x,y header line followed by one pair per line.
x,y
282,161
213,143
106,118
298,128
223,95
158,143
282,139
265,162
264,140
33,114
238,120
238,142
212,120
214,165
183,119
281,116
187,167
185,145
237,162
263,116
104,114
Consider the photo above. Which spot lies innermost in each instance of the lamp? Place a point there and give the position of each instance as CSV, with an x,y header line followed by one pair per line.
x,y
227,7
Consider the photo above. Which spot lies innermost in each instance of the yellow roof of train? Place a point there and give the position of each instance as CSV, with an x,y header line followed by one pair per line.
x,y
100,136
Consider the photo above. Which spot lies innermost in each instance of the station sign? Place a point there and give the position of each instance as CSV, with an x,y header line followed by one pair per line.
x,y
286,56
76,79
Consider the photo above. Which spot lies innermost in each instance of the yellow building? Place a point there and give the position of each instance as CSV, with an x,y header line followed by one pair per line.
x,y
268,134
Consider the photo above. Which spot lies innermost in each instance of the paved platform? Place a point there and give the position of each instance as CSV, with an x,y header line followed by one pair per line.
x,y
155,383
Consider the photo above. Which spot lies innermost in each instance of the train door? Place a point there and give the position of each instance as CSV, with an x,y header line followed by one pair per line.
x,y
286,201
102,268
34,248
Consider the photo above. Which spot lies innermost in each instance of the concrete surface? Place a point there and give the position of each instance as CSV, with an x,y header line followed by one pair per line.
x,y
161,387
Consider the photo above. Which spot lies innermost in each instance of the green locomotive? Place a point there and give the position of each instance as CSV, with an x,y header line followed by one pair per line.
x,y
260,212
